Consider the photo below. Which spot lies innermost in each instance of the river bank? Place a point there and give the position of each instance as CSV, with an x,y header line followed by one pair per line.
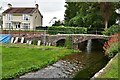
x,y
18,59
110,70
80,65
77,65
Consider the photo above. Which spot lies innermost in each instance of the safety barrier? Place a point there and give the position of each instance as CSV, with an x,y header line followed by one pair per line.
x,y
5,38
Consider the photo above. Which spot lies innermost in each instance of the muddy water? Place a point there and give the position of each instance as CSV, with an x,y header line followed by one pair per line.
x,y
90,61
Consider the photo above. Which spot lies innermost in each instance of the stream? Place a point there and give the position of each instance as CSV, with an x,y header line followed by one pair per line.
x,y
78,66
91,60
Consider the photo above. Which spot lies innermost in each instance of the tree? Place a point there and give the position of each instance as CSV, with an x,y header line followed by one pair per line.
x,y
88,14
106,11
71,11
98,15
58,23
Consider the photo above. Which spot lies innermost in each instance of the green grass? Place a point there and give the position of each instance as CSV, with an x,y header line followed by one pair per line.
x,y
111,70
20,59
0,63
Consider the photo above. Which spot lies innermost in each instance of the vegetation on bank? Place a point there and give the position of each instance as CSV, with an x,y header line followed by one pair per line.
x,y
20,59
112,48
69,42
66,30
111,70
112,30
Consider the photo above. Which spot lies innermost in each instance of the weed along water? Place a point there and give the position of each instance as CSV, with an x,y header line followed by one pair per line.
x,y
90,61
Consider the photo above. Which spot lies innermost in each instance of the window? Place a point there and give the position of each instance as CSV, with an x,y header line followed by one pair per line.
x,y
26,26
9,16
26,17
8,25
17,25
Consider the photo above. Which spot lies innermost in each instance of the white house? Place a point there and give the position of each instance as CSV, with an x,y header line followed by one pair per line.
x,y
22,18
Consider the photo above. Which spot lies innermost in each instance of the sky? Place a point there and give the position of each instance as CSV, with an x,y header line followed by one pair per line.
x,y
48,8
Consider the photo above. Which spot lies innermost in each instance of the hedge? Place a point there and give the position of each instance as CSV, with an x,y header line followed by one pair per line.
x,y
66,30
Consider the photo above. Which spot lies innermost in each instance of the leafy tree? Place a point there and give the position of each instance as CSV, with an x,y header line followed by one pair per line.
x,y
76,21
87,15
58,23
106,12
70,12
96,14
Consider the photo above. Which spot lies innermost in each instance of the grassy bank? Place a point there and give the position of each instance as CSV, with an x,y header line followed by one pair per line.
x,y
20,59
111,70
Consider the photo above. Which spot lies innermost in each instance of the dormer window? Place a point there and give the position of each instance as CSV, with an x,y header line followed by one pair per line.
x,y
26,17
9,16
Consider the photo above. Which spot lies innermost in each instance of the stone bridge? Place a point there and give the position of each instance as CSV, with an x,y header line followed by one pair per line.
x,y
76,38
53,39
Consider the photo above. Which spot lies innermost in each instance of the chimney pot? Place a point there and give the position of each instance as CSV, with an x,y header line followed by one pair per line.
x,y
37,6
9,5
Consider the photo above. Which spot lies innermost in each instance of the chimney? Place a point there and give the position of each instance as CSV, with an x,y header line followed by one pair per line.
x,y
37,6
9,5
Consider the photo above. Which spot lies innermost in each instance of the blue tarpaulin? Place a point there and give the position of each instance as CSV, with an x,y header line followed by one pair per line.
x,y
5,38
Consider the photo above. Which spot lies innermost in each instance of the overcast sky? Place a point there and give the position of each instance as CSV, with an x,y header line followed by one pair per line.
x,y
48,8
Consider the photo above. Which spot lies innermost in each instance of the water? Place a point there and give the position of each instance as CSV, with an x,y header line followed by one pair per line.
x,y
91,60
89,45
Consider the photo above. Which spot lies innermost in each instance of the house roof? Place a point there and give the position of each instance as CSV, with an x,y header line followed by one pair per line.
x,y
20,10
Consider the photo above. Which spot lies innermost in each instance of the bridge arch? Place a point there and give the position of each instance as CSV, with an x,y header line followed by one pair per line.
x,y
57,40
61,42
96,43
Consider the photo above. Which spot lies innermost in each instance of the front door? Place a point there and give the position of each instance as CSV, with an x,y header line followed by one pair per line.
x,y
17,25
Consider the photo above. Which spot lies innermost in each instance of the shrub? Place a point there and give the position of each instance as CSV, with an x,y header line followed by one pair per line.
x,y
68,42
112,46
35,42
112,30
66,30
113,50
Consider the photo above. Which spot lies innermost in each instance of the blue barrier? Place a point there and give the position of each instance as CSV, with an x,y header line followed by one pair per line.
x,y
5,38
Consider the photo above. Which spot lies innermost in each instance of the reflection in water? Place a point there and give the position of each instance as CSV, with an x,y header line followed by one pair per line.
x,y
94,61
90,63
89,46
